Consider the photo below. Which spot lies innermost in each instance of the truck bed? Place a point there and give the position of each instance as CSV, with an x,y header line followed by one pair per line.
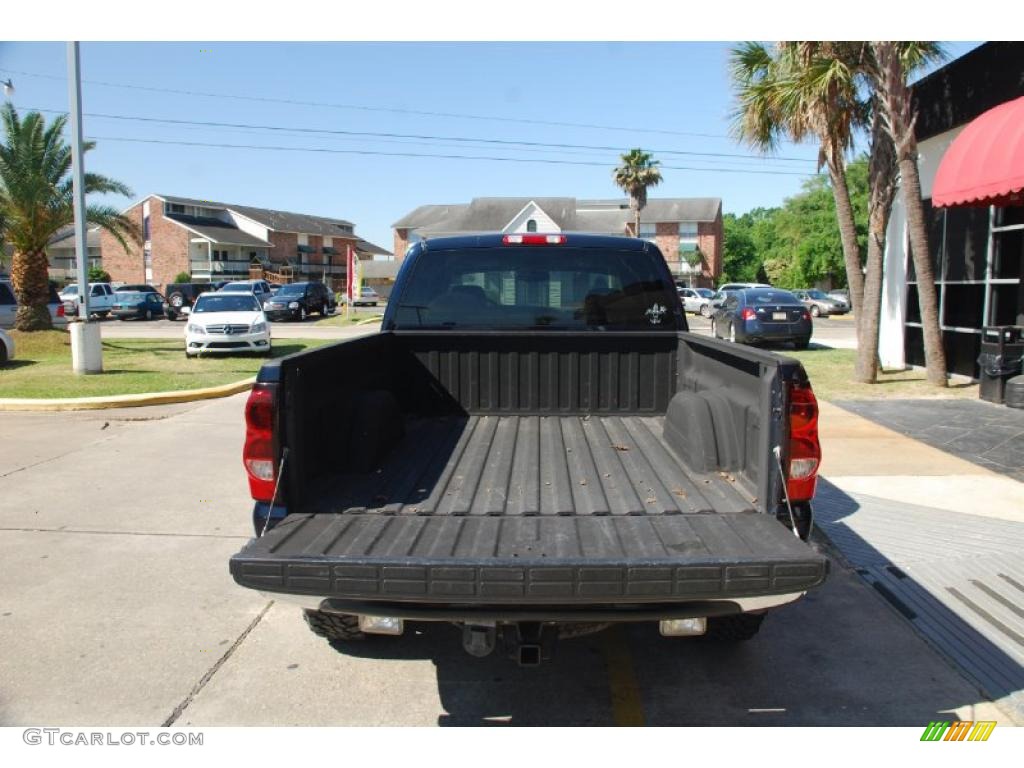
x,y
527,470
532,465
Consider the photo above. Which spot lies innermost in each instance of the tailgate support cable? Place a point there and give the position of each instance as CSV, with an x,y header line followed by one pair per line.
x,y
277,484
777,450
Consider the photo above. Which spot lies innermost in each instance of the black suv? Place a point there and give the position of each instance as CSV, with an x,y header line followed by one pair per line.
x,y
181,295
295,301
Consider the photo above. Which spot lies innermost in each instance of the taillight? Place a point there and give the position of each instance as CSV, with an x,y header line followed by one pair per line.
x,y
805,314
533,239
748,314
804,448
258,453
60,310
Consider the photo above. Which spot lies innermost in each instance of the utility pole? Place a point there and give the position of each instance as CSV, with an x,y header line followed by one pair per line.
x,y
86,346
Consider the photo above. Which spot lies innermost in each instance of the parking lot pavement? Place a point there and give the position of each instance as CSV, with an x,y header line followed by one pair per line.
x,y
831,333
116,606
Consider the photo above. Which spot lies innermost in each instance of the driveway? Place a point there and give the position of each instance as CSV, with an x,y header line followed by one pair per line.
x,y
116,607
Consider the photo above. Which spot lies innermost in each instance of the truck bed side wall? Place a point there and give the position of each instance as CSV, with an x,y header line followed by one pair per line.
x,y
727,414
345,403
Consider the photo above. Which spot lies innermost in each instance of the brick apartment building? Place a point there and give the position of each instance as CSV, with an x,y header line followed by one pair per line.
x,y
222,241
688,231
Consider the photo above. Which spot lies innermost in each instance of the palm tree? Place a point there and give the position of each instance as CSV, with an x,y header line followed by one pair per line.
x,y
36,200
893,63
881,192
637,172
806,90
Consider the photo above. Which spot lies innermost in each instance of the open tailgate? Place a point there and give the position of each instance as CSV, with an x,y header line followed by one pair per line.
x,y
529,560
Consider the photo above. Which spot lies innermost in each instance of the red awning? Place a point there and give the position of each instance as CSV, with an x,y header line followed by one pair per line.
x,y
985,164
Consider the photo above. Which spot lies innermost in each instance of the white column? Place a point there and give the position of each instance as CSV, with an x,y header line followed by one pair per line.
x,y
894,290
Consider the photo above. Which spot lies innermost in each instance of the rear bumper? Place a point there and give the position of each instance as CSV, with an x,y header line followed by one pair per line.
x,y
532,561
756,330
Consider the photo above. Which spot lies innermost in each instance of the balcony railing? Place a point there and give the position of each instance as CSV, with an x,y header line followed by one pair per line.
x,y
231,267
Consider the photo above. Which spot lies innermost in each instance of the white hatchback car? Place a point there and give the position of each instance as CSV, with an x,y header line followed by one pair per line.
x,y
224,322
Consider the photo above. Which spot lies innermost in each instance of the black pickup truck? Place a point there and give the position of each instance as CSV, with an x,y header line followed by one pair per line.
x,y
533,446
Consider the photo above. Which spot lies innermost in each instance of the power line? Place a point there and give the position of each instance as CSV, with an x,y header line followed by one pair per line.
x,y
421,137
326,150
367,108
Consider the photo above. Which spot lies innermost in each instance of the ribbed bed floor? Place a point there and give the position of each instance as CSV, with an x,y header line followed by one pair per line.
x,y
532,465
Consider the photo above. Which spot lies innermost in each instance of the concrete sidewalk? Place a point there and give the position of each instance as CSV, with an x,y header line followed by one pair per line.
x,y
941,539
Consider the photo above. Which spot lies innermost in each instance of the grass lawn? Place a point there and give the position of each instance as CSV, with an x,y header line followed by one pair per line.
x,y
831,374
360,315
130,366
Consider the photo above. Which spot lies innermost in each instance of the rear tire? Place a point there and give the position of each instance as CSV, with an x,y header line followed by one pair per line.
x,y
705,310
335,627
737,628
802,343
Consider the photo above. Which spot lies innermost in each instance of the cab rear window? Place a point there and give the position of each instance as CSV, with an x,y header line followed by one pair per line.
x,y
524,287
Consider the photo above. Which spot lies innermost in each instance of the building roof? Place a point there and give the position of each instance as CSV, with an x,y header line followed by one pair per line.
x,y
65,238
282,221
216,230
425,214
681,209
365,246
492,214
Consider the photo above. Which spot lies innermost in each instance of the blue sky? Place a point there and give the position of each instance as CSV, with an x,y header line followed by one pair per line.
x,y
656,95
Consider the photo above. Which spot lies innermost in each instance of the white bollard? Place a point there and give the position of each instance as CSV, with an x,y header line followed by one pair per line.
x,y
86,347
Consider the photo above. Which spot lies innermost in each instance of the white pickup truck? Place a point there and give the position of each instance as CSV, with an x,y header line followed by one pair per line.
x,y
101,299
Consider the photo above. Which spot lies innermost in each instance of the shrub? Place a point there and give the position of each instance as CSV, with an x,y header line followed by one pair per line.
x,y
98,275
183,277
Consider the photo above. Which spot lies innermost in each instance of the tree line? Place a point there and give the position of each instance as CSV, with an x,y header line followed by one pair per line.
x,y
796,245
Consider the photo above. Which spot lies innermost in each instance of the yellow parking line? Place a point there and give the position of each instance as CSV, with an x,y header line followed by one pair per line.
x,y
627,707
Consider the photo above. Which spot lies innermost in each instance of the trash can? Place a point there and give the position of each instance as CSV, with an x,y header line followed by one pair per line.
x,y
1002,354
1015,392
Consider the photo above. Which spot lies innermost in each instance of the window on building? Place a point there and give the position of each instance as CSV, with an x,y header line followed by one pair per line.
x,y
145,227
174,208
648,231
531,225
687,236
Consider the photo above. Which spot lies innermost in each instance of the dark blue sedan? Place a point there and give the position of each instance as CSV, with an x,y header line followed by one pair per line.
x,y
143,306
757,315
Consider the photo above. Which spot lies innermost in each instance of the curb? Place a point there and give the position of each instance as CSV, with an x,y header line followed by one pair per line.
x,y
125,401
